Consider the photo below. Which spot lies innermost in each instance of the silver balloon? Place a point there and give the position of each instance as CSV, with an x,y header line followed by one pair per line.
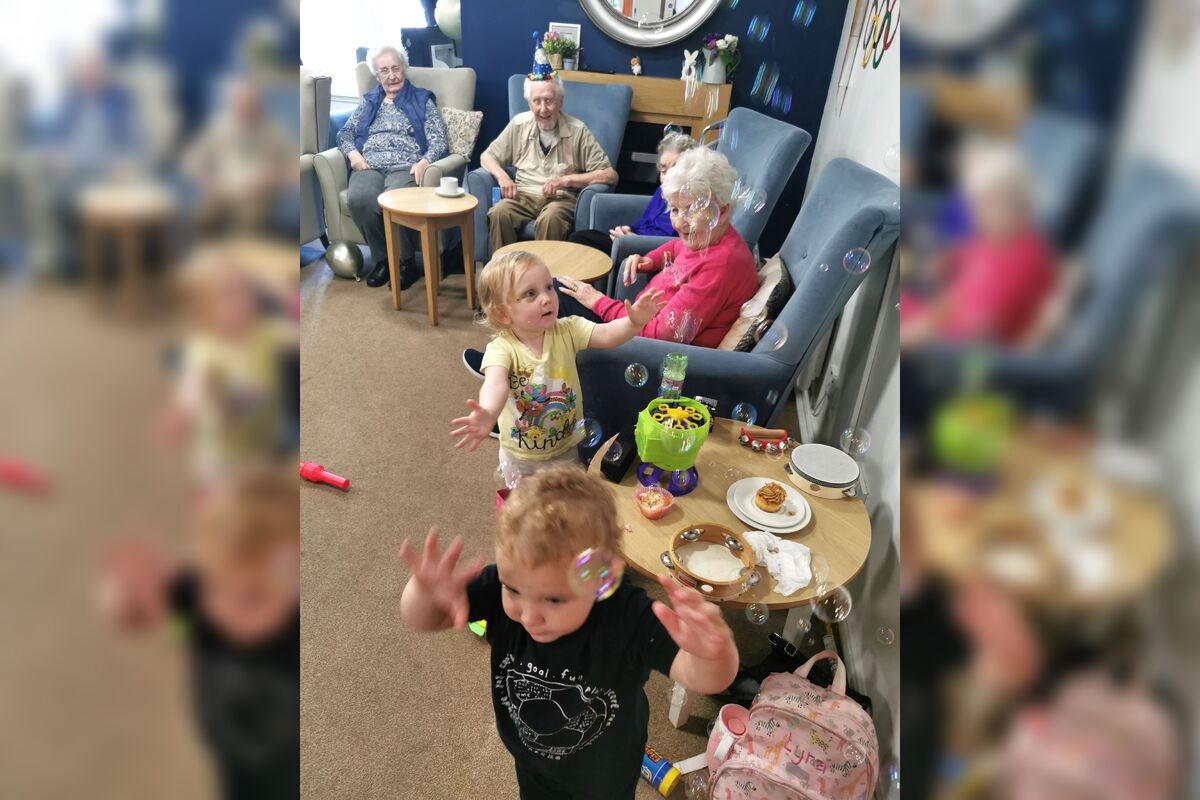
x,y
345,259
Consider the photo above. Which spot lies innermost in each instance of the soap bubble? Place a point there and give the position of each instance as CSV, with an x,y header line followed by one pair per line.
x,y
745,413
594,573
733,4
733,474
636,375
507,477
823,268
684,326
695,784
683,478
759,28
891,159
834,606
767,326
729,136
750,308
856,261
589,431
754,200
803,15
677,441
855,754
819,567
614,453
671,128
766,78
892,773
757,613
855,441
714,101
885,635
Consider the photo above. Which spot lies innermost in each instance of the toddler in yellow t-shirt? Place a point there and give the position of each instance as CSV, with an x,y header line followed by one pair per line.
x,y
530,382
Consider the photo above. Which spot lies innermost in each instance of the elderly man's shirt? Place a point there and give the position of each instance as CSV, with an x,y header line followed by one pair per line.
x,y
576,152
390,143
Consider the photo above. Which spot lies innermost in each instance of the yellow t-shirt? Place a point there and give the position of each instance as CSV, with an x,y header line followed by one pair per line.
x,y
544,402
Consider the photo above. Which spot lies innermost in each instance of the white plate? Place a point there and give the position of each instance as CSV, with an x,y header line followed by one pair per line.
x,y
754,526
461,191
740,498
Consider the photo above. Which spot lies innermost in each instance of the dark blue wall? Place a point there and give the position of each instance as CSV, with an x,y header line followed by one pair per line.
x,y
497,42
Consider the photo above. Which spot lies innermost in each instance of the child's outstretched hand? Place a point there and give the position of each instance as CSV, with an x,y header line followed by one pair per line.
x,y
441,582
133,586
473,428
694,623
645,308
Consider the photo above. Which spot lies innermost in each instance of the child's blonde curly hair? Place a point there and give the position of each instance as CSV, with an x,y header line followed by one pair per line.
x,y
496,284
253,510
555,514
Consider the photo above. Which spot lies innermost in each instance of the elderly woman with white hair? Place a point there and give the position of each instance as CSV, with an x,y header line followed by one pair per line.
x,y
705,275
555,155
389,141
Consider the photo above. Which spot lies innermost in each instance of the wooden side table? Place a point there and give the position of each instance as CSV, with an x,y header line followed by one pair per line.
x,y
129,213
426,211
566,259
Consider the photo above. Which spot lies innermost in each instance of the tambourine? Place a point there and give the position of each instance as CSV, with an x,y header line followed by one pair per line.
x,y
717,534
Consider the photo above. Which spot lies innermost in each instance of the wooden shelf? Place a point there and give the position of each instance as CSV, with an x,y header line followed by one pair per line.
x,y
660,100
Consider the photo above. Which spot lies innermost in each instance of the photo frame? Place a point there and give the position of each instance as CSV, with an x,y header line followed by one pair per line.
x,y
566,30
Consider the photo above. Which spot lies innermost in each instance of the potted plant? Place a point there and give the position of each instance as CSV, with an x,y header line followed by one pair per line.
x,y
721,57
570,53
555,48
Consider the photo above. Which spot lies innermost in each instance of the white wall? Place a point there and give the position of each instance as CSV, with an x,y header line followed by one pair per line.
x,y
862,126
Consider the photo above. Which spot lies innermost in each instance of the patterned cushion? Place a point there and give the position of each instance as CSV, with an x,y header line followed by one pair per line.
x,y
462,129
774,289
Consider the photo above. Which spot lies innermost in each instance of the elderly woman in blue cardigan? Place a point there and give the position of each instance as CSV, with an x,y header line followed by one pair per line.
x,y
655,220
390,140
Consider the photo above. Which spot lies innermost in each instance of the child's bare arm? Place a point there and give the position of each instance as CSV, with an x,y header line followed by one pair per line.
x,y
620,331
475,427
133,584
707,661
435,597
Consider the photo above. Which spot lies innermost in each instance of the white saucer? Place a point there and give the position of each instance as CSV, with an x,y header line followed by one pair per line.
x,y
740,499
461,191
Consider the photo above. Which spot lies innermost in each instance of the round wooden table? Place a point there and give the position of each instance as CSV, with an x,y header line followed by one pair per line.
x,y
127,212
840,529
566,259
424,210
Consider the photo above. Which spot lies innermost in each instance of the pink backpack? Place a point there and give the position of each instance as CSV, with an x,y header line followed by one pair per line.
x,y
801,741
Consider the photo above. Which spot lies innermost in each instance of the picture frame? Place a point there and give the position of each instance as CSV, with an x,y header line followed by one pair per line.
x,y
566,30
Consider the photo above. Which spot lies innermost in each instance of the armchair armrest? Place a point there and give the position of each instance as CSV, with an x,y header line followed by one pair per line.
x,y
452,166
623,247
610,210
725,376
332,177
479,182
584,203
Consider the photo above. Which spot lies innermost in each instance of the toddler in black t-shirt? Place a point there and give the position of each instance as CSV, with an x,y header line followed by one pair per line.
x,y
567,669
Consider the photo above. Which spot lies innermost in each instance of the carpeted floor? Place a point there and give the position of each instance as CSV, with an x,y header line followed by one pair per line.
x,y
387,712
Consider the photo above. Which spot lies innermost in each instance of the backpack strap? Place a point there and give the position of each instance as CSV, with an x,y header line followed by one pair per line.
x,y
839,675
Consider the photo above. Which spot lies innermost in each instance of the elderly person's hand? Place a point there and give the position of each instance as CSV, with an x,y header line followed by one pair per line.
x,y
357,162
620,230
632,266
551,188
581,291
508,189
418,170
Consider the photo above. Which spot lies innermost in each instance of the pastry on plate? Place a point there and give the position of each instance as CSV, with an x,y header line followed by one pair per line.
x,y
770,497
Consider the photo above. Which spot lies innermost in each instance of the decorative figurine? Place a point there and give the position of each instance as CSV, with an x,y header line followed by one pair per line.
x,y
636,64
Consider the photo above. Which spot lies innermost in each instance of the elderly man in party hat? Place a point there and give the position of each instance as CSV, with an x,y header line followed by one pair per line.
x,y
555,156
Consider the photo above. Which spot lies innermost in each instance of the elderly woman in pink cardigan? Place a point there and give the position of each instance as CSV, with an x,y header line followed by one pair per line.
x,y
705,275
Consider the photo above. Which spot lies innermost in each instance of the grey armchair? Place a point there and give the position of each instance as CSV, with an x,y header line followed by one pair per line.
x,y
768,153
453,87
1141,235
314,137
605,111
850,206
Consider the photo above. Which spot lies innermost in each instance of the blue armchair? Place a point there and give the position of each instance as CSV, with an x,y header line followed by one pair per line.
x,y
1140,236
768,152
850,206
605,111
1064,154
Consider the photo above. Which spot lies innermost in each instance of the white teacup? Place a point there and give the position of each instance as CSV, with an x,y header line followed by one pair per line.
x,y
449,186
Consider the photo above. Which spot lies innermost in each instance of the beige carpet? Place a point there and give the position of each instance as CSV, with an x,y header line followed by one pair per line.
x,y
387,712
85,711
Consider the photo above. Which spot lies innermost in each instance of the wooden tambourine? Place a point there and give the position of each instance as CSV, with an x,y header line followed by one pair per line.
x,y
717,534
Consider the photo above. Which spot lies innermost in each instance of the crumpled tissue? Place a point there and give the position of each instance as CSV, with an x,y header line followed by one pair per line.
x,y
788,562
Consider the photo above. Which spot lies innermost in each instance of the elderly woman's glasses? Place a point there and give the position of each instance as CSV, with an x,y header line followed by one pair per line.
x,y
391,70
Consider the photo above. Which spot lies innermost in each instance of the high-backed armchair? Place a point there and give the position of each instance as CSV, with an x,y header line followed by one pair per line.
x,y
850,206
454,88
767,152
314,137
605,111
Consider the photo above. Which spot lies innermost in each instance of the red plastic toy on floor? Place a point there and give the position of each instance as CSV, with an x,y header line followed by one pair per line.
x,y
311,471
22,475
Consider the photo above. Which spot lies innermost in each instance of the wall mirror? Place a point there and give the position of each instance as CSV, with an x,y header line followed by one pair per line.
x,y
648,23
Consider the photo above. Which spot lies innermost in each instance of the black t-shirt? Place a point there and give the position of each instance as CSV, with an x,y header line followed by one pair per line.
x,y
573,712
246,700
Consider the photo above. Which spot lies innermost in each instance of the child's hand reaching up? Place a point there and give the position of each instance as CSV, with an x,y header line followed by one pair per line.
x,y
694,623
645,308
474,427
436,594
